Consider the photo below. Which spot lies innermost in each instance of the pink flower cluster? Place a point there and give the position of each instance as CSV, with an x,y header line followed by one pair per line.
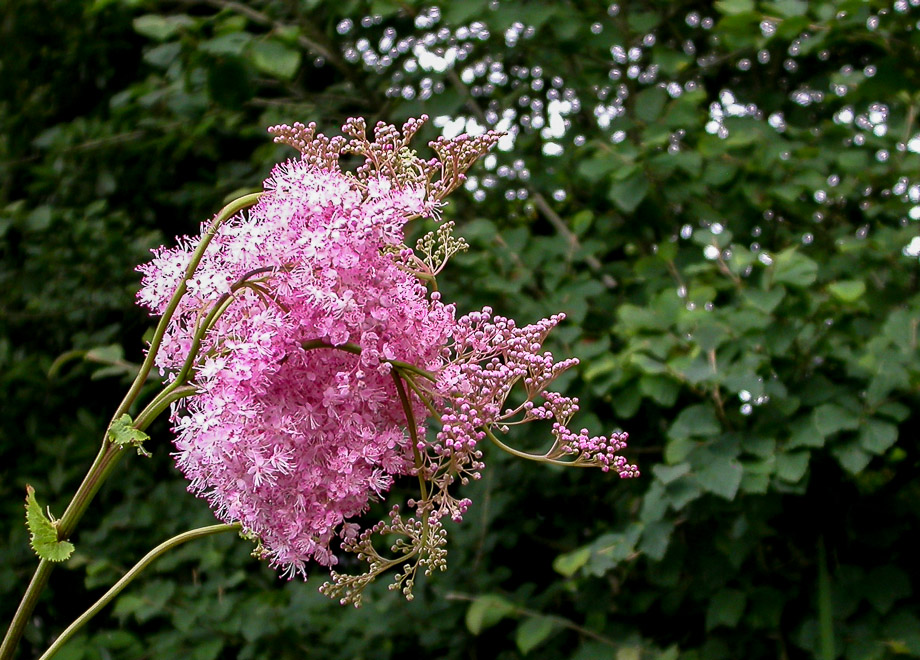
x,y
308,316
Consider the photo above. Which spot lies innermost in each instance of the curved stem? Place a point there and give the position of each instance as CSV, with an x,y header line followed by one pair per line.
x,y
356,350
128,577
225,214
108,453
530,457
161,403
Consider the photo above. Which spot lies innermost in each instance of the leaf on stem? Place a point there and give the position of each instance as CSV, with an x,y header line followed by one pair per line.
x,y
123,433
43,531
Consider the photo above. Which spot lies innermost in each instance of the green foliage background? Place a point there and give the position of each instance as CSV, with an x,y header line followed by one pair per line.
x,y
733,268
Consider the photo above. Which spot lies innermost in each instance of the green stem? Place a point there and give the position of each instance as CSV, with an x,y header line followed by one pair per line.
x,y
161,403
413,432
530,457
356,350
108,454
128,577
225,214
26,606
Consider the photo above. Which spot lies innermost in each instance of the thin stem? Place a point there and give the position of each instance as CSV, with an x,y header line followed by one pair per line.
x,y
413,432
108,454
530,457
356,350
128,577
161,403
26,606
225,214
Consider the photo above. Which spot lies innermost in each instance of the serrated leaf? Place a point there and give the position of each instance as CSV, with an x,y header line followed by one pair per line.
x,y
486,611
655,539
532,632
43,533
649,103
123,434
734,6
696,421
792,466
851,457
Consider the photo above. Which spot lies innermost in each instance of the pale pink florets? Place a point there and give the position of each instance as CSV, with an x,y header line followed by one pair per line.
x,y
287,441
298,423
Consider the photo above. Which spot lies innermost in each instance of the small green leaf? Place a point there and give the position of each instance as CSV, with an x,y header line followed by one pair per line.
x,y
765,301
876,436
123,433
791,467
655,539
161,28
532,632
725,608
847,290
721,476
567,564
696,421
649,103
794,269
43,532
629,193
851,456
830,418
666,474
275,59
486,611
734,6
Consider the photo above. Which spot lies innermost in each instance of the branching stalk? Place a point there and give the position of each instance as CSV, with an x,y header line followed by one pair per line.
x,y
128,577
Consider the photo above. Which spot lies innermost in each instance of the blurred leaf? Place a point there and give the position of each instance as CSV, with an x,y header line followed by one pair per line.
x,y
532,632
274,58
485,611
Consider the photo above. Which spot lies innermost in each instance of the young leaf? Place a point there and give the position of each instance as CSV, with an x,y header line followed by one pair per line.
x,y
532,632
123,433
43,534
486,611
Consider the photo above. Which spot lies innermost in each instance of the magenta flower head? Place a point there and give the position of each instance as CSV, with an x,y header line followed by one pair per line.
x,y
317,348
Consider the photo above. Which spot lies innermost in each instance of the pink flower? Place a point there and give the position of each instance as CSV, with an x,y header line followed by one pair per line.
x,y
322,353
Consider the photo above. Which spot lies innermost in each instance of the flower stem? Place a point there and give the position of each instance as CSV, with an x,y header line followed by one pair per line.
x,y
128,577
413,432
356,350
225,214
109,453
530,457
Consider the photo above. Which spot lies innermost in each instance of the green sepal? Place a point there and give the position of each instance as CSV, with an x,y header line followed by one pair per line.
x,y
43,531
123,433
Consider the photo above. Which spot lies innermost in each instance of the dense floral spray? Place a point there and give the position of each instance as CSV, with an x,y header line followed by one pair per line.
x,y
319,348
